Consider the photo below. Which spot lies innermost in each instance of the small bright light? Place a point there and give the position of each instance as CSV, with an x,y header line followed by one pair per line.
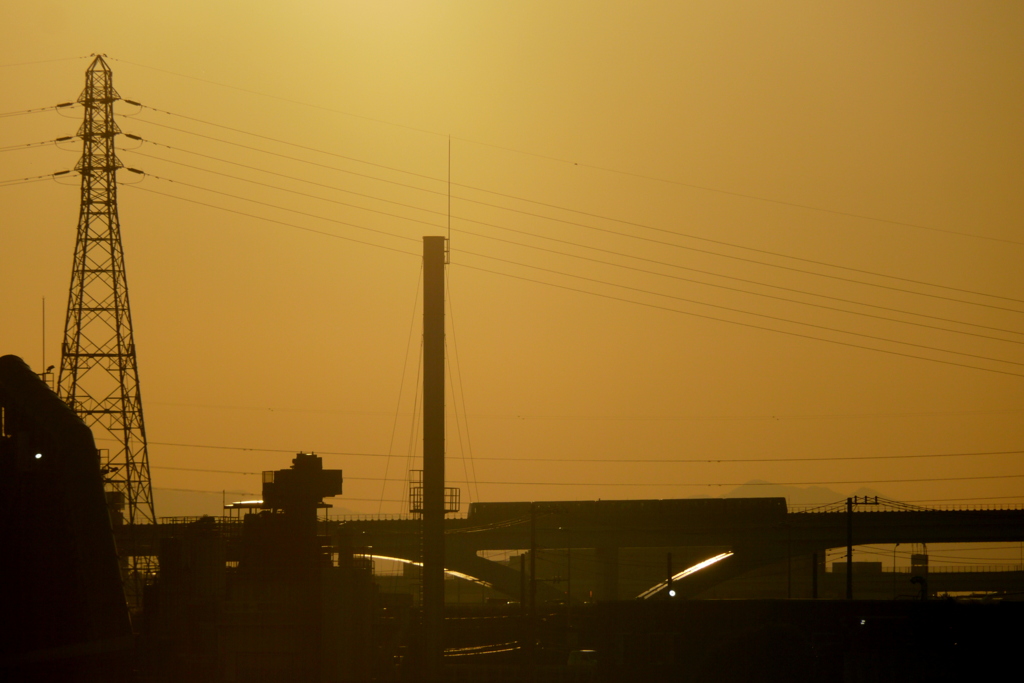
x,y
671,594
863,621
39,456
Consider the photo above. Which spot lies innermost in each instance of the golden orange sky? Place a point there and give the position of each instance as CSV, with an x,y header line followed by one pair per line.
x,y
861,156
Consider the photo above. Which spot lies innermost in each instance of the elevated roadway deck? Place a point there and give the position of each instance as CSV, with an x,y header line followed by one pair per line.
x,y
758,531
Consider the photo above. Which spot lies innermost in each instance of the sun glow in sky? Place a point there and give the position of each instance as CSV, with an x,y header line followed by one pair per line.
x,y
692,244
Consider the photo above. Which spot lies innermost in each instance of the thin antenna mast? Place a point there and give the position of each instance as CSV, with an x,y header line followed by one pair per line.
x,y
449,187
448,241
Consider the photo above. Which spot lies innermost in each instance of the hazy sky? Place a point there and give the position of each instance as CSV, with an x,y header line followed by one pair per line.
x,y
681,231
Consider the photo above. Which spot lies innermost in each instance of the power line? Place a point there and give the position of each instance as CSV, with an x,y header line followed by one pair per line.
x,y
402,501
54,107
739,246
291,158
601,250
734,289
836,458
614,417
285,142
289,177
282,208
737,310
735,322
200,469
243,493
593,215
583,164
945,500
741,194
284,189
779,483
28,145
32,179
828,458
947,559
688,484
639,290
291,451
669,296
276,97
663,418
46,61
942,553
271,220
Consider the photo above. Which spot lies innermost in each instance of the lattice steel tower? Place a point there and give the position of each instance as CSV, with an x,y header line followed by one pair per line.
x,y
99,376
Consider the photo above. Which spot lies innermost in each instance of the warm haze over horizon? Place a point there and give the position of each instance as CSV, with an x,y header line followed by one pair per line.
x,y
692,244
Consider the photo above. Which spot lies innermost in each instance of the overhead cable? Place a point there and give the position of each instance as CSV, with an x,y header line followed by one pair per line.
x,y
826,458
611,252
271,220
736,310
597,167
593,215
635,289
735,322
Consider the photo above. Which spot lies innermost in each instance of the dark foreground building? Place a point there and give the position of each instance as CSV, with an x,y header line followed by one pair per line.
x,y
266,599
63,614
279,595
807,640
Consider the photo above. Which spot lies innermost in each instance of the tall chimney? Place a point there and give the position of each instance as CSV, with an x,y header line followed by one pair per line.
x,y
433,454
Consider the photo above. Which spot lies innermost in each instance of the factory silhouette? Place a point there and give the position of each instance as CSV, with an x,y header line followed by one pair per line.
x,y
99,588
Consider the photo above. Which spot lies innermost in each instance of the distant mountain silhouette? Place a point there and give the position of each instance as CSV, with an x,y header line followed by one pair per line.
x,y
795,495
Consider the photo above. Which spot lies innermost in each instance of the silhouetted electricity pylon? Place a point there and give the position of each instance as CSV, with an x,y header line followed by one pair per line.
x,y
99,376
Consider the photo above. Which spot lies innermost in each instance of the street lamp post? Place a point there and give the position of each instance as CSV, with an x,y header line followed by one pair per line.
x,y
894,570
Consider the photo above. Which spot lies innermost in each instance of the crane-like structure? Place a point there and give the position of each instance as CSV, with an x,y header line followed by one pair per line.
x,y
99,377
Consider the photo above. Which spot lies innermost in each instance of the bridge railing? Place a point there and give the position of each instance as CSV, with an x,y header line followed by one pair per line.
x,y
386,516
945,569
183,521
840,507
963,569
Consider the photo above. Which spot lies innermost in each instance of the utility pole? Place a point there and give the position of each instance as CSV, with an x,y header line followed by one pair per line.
x,y
532,644
533,561
433,454
814,576
850,502
669,593
99,377
568,578
849,548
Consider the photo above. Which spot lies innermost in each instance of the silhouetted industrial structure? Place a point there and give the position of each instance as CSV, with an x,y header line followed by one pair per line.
x,y
434,492
99,376
269,597
63,613
282,594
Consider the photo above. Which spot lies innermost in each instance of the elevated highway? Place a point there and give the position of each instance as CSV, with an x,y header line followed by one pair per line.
x,y
757,531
